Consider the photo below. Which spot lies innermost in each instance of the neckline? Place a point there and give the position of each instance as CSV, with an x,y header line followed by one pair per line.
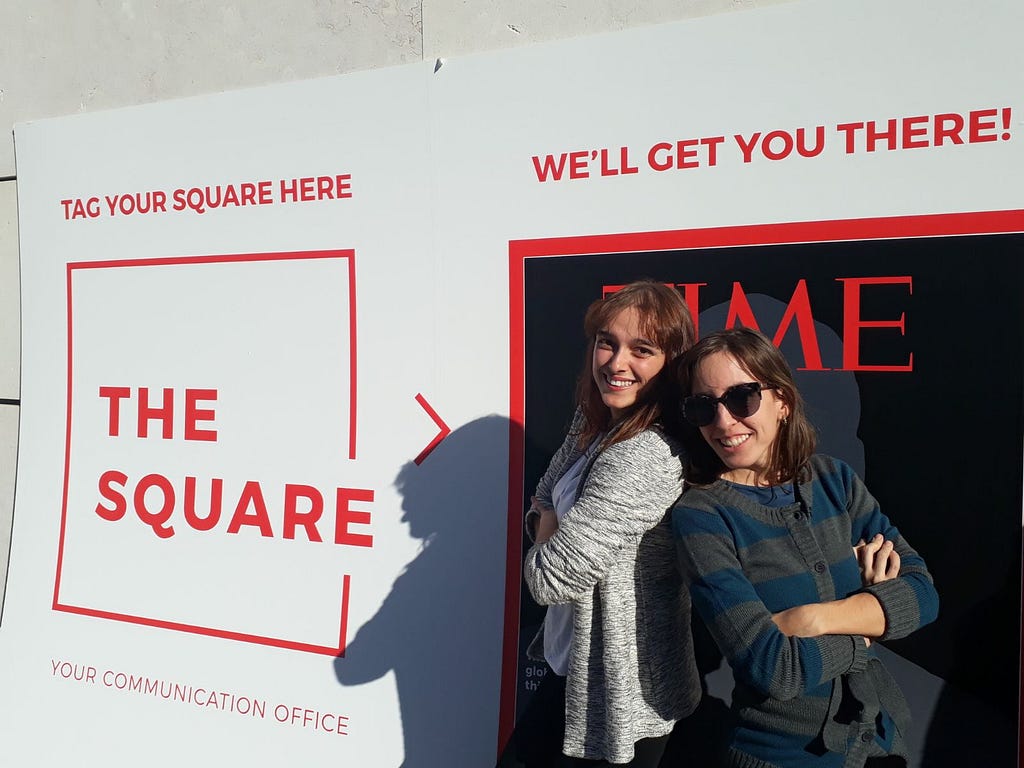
x,y
774,515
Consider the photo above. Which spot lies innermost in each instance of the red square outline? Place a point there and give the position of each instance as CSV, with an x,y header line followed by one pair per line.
x,y
882,228
326,650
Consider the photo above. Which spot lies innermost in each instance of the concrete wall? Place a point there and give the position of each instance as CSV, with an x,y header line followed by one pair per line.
x,y
59,58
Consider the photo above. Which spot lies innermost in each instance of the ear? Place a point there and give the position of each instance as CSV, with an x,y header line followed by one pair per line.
x,y
783,405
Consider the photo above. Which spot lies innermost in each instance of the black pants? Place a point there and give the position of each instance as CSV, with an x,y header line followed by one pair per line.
x,y
537,739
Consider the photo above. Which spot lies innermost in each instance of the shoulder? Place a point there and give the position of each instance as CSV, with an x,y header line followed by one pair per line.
x,y
650,453
645,470
829,470
651,443
699,510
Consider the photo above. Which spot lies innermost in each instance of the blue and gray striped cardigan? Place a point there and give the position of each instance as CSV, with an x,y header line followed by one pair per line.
x,y
800,701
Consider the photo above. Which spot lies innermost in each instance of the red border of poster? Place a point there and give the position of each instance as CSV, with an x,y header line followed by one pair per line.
x,y
882,228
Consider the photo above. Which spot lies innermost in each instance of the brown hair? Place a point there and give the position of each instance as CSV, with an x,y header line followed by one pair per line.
x,y
665,320
755,353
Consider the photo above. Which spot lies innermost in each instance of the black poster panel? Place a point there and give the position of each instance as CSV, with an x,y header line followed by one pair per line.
x,y
909,353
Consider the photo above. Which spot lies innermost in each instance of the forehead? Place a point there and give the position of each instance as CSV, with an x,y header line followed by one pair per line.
x,y
628,324
719,371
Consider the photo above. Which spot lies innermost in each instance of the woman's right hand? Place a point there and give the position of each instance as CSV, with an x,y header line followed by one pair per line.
x,y
877,559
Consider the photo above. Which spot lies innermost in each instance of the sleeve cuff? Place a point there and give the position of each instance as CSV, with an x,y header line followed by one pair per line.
x,y
860,654
530,523
899,604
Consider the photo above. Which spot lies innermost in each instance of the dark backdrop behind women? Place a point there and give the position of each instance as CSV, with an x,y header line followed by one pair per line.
x,y
940,445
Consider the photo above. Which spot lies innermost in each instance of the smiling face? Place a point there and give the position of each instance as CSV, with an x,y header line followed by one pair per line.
x,y
624,361
744,445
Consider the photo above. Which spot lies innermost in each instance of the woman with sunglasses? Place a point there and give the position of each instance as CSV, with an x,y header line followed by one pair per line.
x,y
616,634
792,566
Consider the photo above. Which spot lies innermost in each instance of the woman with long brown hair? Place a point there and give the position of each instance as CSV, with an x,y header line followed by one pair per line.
x,y
792,566
616,635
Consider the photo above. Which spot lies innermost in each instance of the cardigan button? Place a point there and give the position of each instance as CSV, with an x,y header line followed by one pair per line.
x,y
820,567
866,736
797,515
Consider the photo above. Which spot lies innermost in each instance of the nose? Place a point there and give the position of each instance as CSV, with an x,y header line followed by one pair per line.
x,y
617,362
723,416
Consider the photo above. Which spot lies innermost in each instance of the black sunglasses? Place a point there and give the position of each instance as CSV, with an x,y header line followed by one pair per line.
x,y
741,400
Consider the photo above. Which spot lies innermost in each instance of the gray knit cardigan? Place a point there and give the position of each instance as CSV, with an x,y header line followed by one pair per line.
x,y
631,670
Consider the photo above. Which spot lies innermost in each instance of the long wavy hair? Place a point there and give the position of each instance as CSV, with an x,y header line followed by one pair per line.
x,y
754,352
665,320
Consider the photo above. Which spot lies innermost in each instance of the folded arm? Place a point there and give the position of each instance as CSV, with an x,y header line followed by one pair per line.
x,y
778,664
626,493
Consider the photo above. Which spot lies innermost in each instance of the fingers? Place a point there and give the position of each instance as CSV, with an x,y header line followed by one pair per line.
x,y
866,558
878,560
892,569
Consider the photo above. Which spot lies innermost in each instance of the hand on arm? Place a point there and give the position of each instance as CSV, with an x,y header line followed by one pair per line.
x,y
859,614
625,494
547,524
878,560
782,656
901,582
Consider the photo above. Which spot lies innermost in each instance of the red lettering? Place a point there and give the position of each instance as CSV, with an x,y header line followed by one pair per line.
x,y
652,157
115,394
712,142
344,188
980,120
799,308
852,322
691,295
948,126
549,168
344,516
289,189
107,491
194,414
302,507
888,135
252,495
740,312
777,154
578,165
155,520
912,128
216,496
266,193
850,129
308,519
686,154
164,414
819,142
747,145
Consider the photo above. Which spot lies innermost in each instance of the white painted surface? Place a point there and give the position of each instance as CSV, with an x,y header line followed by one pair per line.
x,y
8,457
10,345
60,59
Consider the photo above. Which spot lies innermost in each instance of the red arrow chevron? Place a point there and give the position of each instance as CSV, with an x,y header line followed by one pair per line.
x,y
445,430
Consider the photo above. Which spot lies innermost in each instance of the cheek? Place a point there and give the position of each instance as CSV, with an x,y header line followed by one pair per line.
x,y
705,433
653,368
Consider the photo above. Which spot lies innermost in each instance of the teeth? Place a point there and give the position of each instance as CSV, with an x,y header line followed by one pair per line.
x,y
732,442
620,384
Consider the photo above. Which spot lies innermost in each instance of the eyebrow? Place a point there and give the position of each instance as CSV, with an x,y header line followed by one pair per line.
x,y
641,341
